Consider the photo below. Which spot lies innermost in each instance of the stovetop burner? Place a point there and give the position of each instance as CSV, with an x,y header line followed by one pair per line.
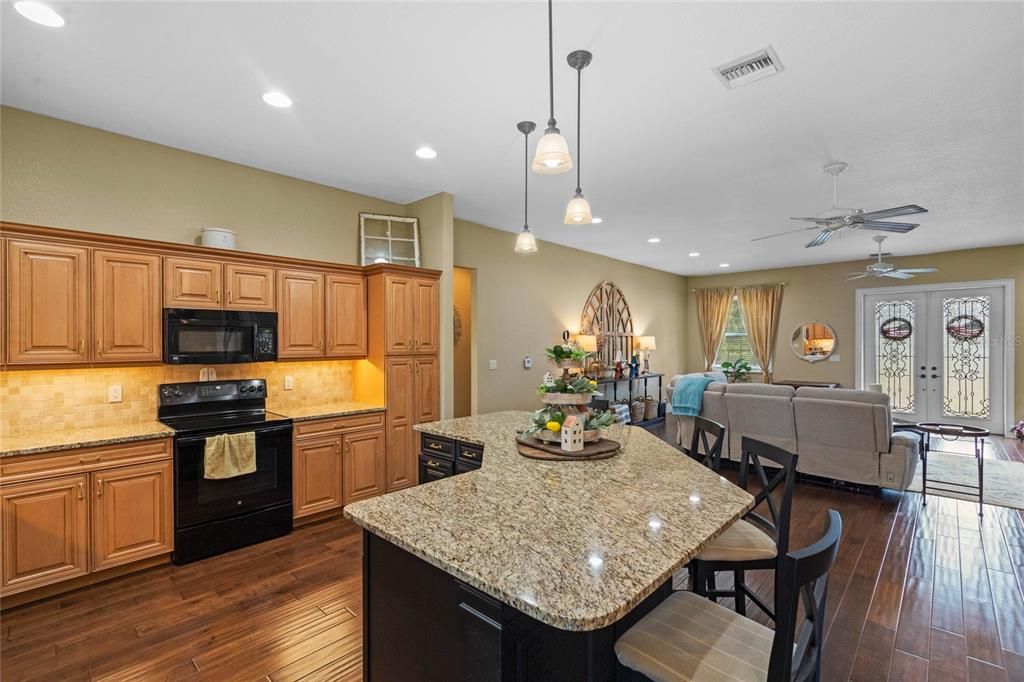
x,y
212,405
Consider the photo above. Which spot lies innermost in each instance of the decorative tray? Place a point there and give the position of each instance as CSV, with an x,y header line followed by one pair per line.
x,y
533,448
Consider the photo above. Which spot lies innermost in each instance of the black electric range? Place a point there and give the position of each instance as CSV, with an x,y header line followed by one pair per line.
x,y
212,516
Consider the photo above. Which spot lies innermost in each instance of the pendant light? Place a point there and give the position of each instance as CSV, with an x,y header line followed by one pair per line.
x,y
578,210
525,242
552,155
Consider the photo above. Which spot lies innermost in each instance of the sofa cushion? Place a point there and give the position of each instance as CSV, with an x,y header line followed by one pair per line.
x,y
762,389
762,412
838,439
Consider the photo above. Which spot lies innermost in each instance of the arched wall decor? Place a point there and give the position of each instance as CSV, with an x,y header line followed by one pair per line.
x,y
606,315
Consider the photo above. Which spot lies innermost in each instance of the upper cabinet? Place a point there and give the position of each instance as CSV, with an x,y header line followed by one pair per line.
x,y
300,314
249,287
346,316
408,312
126,307
192,283
47,303
426,313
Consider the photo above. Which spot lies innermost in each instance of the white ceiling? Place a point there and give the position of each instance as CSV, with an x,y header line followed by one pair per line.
x,y
923,100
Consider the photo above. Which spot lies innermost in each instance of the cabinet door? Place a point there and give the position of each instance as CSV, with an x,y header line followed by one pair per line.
x,y
400,467
126,311
47,303
249,287
427,326
316,479
428,390
300,314
192,283
363,468
132,514
346,316
399,314
45,532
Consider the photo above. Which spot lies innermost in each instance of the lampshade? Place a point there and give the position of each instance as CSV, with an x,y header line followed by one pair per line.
x,y
552,155
587,342
646,343
578,211
525,242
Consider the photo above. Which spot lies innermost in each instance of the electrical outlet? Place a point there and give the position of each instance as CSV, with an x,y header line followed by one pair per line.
x,y
289,382
492,364
114,393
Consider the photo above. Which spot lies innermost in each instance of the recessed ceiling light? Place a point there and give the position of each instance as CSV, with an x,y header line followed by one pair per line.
x,y
426,153
39,13
277,99
596,220
694,254
654,240
723,265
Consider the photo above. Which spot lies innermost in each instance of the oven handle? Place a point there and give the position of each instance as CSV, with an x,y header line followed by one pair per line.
x,y
258,431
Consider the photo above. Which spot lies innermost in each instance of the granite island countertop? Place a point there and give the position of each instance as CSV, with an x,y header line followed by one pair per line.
x,y
73,438
575,545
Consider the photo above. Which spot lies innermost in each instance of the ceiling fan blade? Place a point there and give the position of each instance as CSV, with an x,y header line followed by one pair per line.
x,y
859,275
886,227
897,274
918,271
779,234
820,239
909,209
820,221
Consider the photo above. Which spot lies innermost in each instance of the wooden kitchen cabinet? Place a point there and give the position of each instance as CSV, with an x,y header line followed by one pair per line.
x,y
300,314
346,316
363,466
427,403
45,532
126,307
400,466
426,316
399,314
47,303
132,515
192,283
249,287
316,475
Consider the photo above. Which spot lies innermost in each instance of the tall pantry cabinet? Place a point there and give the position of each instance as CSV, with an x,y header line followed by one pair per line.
x,y
403,311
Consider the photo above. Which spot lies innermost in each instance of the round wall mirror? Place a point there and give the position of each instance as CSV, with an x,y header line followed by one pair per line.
x,y
813,341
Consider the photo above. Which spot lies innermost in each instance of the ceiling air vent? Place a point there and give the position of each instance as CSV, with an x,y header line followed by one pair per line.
x,y
749,68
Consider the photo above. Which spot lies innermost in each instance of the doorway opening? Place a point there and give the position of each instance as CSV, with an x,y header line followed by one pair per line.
x,y
464,342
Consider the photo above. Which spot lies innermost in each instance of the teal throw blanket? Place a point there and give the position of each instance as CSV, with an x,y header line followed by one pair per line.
x,y
688,395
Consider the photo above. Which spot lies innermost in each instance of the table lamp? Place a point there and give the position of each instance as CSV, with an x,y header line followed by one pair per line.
x,y
646,344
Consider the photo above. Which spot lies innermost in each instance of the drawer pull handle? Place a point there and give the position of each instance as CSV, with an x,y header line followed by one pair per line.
x,y
432,463
90,460
469,454
434,446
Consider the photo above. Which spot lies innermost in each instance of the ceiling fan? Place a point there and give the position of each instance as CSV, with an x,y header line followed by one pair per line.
x,y
836,218
880,269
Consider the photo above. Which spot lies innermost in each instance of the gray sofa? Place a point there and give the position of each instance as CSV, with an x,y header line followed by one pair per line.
x,y
839,433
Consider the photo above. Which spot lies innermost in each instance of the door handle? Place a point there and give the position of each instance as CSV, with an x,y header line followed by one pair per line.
x,y
936,376
922,376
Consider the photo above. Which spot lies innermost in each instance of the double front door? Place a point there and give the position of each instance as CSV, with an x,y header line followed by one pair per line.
x,y
938,353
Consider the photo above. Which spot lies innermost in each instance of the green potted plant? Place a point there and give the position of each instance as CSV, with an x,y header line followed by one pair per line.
x,y
736,371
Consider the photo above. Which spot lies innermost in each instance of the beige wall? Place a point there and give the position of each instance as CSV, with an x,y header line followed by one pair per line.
x,y
524,302
462,366
61,174
821,292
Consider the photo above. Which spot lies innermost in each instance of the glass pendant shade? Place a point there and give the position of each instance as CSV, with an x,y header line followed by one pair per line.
x,y
525,242
552,155
578,211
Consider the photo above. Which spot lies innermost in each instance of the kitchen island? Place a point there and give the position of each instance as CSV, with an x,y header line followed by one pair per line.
x,y
528,569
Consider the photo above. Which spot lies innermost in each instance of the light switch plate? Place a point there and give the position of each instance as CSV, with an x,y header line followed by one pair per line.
x,y
527,362
492,364
289,382
114,393
833,358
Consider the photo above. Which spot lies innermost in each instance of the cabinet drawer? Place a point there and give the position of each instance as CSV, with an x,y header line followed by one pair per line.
x,y
434,468
25,467
470,453
321,427
432,445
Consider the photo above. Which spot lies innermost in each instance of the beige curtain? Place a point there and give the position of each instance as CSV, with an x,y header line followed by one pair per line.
x,y
759,307
712,316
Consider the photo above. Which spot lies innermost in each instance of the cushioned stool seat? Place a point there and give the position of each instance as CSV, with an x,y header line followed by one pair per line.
x,y
688,637
742,541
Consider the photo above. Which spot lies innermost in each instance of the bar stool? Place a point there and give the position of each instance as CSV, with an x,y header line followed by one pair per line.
x,y
756,541
690,638
706,443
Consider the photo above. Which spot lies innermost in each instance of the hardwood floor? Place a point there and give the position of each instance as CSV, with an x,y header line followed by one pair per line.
x,y
916,594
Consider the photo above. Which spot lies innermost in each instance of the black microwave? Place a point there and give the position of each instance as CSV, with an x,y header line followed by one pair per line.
x,y
218,337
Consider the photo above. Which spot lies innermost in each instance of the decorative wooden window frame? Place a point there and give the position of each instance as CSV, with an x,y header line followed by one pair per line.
x,y
389,219
607,316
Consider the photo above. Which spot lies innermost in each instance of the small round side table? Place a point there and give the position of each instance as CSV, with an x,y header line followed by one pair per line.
x,y
953,432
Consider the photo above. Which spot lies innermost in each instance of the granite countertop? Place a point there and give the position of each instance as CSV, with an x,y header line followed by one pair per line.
x,y
326,410
71,438
575,545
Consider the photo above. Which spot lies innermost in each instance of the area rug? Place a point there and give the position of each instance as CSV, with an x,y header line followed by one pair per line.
x,y
1004,481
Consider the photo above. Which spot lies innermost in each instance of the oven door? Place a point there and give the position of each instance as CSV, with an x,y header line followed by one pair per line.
x,y
199,500
208,337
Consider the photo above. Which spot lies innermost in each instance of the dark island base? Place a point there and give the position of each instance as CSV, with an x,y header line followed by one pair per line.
x,y
420,623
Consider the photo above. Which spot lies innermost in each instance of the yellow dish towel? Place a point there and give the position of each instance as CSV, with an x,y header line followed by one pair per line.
x,y
229,455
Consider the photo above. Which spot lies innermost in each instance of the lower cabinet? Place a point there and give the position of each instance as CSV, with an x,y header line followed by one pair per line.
x,y
337,461
443,457
117,508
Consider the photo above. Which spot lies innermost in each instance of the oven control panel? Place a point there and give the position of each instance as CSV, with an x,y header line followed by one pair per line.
x,y
211,391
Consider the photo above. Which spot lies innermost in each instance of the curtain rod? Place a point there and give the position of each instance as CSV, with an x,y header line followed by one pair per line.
x,y
745,286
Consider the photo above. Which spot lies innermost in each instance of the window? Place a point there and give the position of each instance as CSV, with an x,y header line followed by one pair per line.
x,y
735,346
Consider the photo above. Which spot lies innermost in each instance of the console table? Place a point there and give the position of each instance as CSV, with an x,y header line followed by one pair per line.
x,y
632,394
808,384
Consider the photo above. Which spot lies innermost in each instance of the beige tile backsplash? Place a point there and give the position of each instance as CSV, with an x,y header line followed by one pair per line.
x,y
35,401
